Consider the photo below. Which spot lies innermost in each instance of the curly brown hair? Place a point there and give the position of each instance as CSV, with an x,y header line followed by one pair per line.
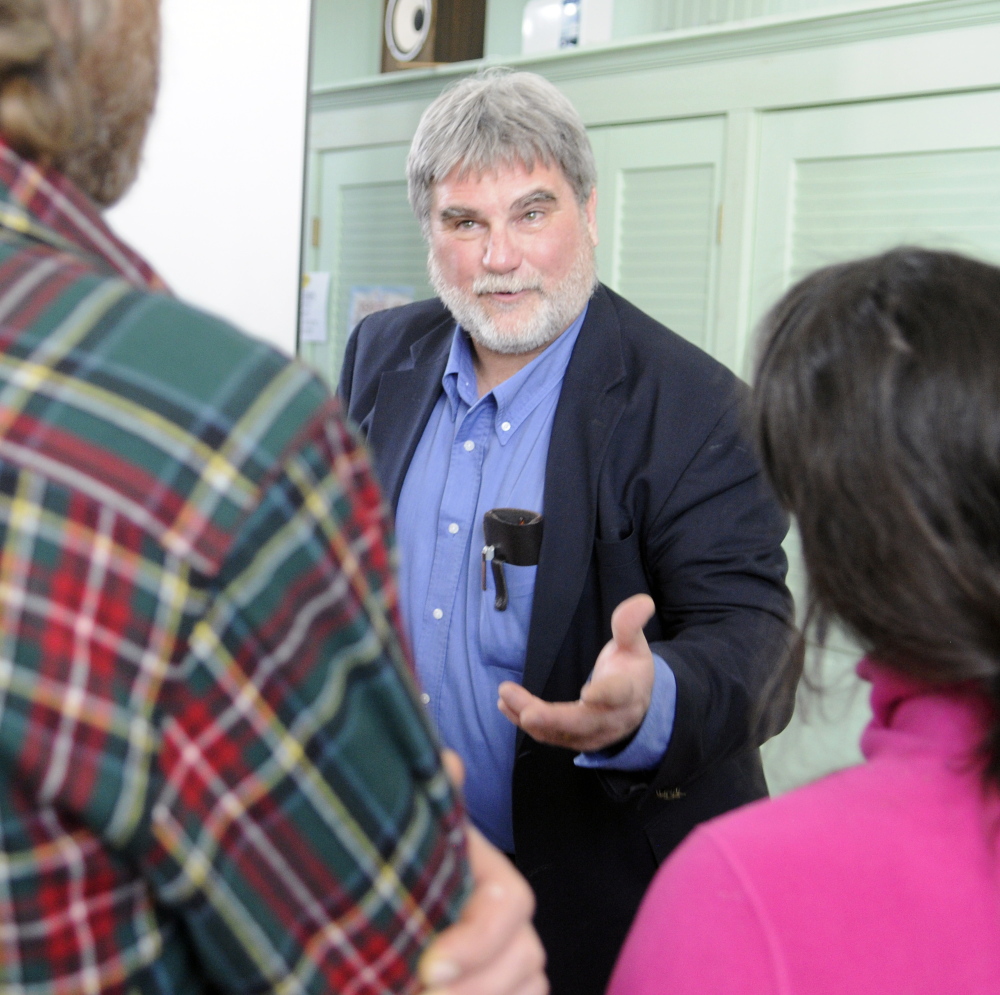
x,y
77,86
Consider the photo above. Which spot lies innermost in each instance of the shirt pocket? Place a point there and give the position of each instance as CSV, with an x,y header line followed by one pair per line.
x,y
503,635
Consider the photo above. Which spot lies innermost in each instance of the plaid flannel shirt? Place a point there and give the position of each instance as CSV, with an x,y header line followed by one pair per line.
x,y
213,772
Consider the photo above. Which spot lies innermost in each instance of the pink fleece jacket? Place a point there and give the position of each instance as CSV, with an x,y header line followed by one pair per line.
x,y
879,879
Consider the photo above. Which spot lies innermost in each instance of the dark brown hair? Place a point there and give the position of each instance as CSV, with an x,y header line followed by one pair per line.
x,y
876,408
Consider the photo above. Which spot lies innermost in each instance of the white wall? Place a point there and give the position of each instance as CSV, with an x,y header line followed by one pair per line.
x,y
217,207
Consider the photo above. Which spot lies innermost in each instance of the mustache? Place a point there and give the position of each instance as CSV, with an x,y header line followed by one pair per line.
x,y
497,283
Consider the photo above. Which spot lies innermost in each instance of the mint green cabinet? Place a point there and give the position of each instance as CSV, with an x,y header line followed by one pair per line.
x,y
659,196
851,180
367,237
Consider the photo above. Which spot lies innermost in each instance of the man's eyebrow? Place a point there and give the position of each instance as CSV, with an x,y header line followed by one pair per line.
x,y
458,211
451,213
540,196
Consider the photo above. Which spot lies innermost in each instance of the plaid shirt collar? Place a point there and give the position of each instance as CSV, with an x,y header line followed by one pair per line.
x,y
44,205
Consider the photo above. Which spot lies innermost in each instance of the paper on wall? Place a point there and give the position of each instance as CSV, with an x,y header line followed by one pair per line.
x,y
368,300
314,307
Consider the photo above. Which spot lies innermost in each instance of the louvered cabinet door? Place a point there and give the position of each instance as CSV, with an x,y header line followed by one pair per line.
x,y
659,194
840,182
367,239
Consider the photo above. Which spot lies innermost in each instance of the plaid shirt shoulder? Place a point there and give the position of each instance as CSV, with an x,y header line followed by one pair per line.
x,y
213,770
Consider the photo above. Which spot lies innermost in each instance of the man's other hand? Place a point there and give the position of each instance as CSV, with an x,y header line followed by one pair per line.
x,y
493,949
613,702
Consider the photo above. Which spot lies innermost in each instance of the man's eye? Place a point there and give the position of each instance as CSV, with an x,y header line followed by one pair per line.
x,y
532,215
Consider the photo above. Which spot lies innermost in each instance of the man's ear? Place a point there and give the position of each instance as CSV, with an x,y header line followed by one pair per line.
x,y
590,213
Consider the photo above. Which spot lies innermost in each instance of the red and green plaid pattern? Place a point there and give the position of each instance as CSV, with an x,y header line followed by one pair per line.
x,y
213,773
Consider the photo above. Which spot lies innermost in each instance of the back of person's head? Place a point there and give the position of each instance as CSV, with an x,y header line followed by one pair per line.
x,y
77,86
498,118
876,407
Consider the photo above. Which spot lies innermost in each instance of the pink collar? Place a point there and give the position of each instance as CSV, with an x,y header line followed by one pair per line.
x,y
911,715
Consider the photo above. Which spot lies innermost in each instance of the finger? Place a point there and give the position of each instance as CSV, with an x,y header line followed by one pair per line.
x,y
500,905
575,725
519,969
515,697
628,619
453,767
511,699
508,713
561,723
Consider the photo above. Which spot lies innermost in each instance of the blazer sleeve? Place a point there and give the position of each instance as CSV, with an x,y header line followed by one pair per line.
x,y
714,562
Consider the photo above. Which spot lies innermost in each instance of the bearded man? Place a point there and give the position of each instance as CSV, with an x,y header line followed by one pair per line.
x,y
631,613
214,772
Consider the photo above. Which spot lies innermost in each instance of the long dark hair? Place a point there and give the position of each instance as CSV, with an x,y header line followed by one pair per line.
x,y
876,409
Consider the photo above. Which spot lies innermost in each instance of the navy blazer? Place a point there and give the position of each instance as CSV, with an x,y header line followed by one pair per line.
x,y
650,486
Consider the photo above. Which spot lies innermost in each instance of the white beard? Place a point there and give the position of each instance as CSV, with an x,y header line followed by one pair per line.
x,y
556,310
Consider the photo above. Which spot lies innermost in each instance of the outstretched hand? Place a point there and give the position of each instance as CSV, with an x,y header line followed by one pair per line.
x,y
613,702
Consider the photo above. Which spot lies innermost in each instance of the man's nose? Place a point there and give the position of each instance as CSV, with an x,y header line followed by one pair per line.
x,y
502,254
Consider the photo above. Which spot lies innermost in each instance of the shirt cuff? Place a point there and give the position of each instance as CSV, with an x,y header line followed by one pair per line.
x,y
652,738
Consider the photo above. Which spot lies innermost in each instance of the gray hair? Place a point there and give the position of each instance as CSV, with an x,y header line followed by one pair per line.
x,y
498,118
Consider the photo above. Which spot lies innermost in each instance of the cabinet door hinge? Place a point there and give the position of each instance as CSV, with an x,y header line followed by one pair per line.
x,y
316,226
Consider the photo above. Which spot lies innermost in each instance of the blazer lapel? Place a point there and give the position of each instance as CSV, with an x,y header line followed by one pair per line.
x,y
403,404
590,405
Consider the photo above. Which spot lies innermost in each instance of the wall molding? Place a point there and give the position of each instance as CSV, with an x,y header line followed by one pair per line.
x,y
735,40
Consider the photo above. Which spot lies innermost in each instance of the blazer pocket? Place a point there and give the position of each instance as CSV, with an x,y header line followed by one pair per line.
x,y
617,553
620,570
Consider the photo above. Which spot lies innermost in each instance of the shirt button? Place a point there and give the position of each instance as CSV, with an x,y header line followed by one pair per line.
x,y
469,445
453,528
425,698
437,613
505,426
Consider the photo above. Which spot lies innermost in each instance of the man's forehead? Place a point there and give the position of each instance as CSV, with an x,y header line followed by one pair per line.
x,y
512,181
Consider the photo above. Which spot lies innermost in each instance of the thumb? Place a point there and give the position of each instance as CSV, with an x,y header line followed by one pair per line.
x,y
453,767
628,619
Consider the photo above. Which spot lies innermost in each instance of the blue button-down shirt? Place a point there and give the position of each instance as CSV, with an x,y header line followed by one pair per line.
x,y
478,453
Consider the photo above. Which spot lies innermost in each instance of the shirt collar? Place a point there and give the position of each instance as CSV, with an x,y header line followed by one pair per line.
x,y
459,379
520,394
44,205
